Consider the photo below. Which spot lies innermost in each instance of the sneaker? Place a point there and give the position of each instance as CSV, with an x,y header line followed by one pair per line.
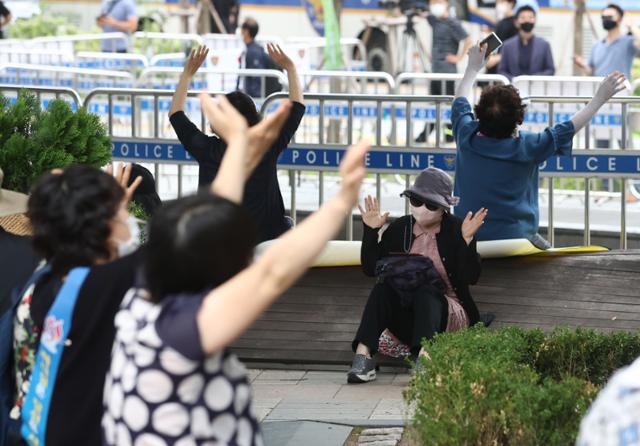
x,y
363,370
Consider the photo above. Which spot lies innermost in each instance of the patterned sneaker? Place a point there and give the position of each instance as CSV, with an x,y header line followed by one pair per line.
x,y
363,370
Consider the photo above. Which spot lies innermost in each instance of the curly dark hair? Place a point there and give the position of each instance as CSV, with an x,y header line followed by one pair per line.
x,y
196,243
70,213
500,111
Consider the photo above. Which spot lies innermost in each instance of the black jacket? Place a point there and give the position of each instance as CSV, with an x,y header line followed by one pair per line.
x,y
461,261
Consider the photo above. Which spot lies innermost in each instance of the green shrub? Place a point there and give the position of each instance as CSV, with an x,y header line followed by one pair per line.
x,y
42,25
513,386
33,141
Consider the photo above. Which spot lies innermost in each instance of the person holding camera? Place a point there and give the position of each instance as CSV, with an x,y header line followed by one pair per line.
x,y
117,16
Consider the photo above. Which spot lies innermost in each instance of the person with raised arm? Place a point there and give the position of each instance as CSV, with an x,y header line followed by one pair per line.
x,y
173,379
424,263
497,164
262,197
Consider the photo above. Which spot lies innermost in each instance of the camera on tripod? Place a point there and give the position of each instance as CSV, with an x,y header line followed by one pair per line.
x,y
406,6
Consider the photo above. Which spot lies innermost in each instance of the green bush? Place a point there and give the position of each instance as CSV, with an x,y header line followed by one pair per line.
x,y
42,25
33,141
513,386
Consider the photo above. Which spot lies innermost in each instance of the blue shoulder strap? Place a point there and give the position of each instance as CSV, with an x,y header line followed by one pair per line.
x,y
55,331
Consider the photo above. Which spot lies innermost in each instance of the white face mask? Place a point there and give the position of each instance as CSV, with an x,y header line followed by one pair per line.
x,y
502,9
126,247
425,217
438,9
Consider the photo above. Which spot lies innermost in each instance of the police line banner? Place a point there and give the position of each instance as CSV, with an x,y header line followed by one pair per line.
x,y
583,163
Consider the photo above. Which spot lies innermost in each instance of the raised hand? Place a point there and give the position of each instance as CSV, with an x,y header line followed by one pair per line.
x,y
477,57
472,223
352,172
225,120
371,213
122,175
612,84
279,57
195,61
263,134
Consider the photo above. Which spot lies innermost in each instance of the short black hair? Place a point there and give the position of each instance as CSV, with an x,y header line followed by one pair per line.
x,y
525,8
252,27
71,213
500,111
245,105
616,7
195,244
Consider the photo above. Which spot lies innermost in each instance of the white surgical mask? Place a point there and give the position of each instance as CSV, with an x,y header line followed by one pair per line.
x,y
425,217
126,247
438,9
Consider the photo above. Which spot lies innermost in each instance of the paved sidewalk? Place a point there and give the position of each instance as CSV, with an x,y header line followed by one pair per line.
x,y
291,395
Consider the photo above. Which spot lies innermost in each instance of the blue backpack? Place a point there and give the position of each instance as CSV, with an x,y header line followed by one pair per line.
x,y
7,377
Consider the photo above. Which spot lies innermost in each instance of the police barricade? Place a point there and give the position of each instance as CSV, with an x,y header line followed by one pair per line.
x,y
111,61
162,78
43,94
312,161
151,44
353,82
354,52
35,56
80,42
80,79
168,60
138,122
425,83
217,42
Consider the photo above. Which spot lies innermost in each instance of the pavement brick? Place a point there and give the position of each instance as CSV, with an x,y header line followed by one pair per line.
x,y
283,377
390,409
369,391
253,374
321,411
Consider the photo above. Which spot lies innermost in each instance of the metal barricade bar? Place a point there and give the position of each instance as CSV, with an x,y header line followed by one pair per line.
x,y
317,155
356,81
39,91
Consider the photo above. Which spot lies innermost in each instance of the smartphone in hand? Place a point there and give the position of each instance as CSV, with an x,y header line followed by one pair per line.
x,y
493,42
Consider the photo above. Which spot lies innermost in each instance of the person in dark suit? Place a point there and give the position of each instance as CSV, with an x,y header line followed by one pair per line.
x,y
526,53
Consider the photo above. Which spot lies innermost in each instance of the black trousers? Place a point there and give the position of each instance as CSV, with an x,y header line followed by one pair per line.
x,y
427,316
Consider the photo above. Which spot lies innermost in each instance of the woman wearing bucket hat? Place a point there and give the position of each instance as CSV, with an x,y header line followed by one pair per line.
x,y
425,263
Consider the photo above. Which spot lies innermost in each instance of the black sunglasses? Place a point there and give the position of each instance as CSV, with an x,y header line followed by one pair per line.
x,y
416,203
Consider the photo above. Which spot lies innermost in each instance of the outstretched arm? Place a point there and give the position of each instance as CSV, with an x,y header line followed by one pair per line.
x,y
611,85
228,310
191,67
280,58
477,61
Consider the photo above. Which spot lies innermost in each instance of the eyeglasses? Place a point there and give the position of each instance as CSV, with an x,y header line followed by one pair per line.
x,y
416,203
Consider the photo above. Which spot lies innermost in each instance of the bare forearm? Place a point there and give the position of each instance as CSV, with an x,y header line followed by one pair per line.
x,y
466,44
180,95
229,182
127,26
230,309
295,88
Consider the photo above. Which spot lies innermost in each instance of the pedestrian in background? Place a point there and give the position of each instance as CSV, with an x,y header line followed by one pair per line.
x,y
117,16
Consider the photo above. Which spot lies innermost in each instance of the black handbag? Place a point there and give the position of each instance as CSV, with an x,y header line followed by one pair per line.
x,y
408,273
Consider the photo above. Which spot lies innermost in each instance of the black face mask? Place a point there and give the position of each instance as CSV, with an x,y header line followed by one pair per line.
x,y
608,23
527,26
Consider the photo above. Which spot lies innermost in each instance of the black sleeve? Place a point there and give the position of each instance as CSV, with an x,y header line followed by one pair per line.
x,y
193,139
289,128
469,261
370,251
